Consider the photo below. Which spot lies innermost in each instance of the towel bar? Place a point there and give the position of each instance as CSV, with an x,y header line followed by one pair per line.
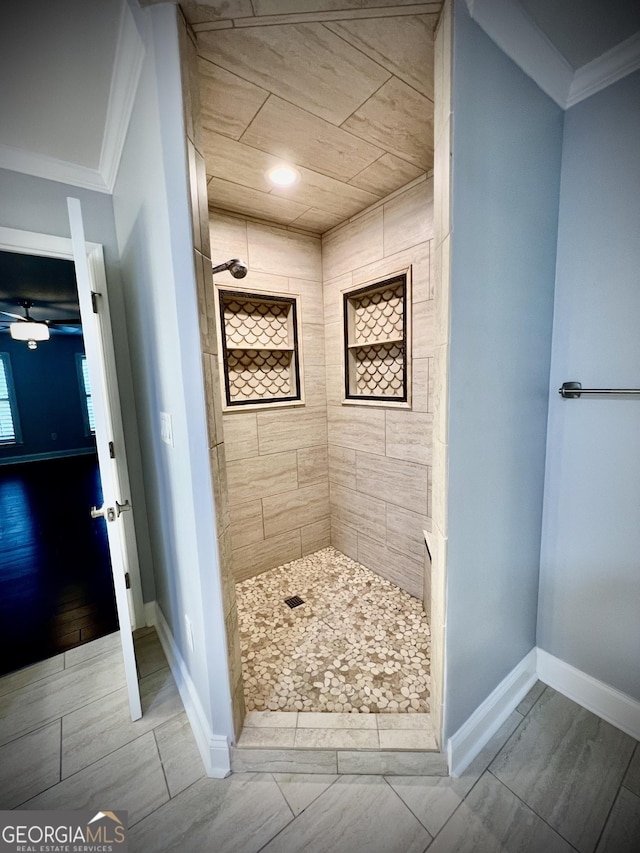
x,y
574,390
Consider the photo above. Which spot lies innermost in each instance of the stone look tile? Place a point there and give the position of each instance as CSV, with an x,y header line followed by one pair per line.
x,y
632,777
405,531
179,754
355,815
409,436
358,511
313,345
300,789
291,510
352,245
344,538
261,736
257,558
311,299
149,654
566,764
434,799
31,674
405,483
104,645
271,719
406,739
228,236
339,651
392,763
101,727
246,524
312,465
408,218
315,536
291,429
342,466
386,175
261,477
272,250
413,722
493,819
50,697
326,738
235,197
402,570
241,813
284,761
531,698
29,765
228,103
622,830
130,778
240,435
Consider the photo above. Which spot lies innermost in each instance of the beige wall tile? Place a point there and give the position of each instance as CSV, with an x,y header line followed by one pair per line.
x,y
409,436
335,384
262,556
228,103
240,435
228,236
281,252
423,327
314,380
400,120
261,476
420,385
417,257
402,483
439,484
281,126
291,429
404,531
246,524
353,244
313,465
219,479
328,194
333,297
317,220
408,218
334,343
354,427
294,509
342,466
316,536
406,572
311,299
225,554
359,511
313,344
344,539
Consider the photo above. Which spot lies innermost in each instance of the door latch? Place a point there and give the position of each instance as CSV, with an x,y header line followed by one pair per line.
x,y
107,512
125,507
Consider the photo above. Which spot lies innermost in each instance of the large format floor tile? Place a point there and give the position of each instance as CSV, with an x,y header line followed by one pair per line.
x,y
236,815
493,820
356,814
567,765
29,765
622,830
357,644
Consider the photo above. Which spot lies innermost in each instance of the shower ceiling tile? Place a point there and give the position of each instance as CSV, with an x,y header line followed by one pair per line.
x,y
328,194
402,45
398,119
305,64
386,175
227,158
283,7
213,10
317,220
235,197
228,103
295,135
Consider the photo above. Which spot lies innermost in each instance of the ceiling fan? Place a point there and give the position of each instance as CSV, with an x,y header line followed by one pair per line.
x,y
29,329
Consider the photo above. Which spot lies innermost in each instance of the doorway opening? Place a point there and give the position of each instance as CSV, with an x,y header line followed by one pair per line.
x,y
56,585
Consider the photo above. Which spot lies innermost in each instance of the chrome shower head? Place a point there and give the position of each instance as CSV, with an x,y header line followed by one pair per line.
x,y
235,266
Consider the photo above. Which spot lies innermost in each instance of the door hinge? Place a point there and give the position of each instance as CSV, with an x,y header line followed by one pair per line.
x,y
127,580
112,451
94,301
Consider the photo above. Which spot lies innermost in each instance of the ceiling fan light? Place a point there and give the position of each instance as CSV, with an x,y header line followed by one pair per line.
x,y
29,331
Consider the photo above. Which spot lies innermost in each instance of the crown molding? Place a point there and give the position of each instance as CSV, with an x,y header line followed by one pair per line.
x,y
41,166
127,67
508,25
621,60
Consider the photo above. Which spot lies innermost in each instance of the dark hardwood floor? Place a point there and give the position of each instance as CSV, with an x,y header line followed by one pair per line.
x,y
56,590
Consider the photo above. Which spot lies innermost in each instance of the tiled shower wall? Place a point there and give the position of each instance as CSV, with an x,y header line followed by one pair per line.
x,y
277,470
380,458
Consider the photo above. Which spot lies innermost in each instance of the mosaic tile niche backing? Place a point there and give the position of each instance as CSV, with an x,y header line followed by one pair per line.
x,y
358,644
376,341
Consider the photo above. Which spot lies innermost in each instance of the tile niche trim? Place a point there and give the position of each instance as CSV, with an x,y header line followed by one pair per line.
x,y
377,342
259,349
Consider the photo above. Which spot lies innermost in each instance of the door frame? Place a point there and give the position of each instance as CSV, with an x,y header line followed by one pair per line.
x,y
50,246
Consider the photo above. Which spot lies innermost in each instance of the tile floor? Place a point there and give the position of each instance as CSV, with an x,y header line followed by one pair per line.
x,y
358,644
553,778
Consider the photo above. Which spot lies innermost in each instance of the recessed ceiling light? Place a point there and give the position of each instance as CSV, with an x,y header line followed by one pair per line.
x,y
283,175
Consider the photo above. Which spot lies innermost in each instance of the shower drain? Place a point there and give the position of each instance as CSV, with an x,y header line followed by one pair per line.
x,y
294,601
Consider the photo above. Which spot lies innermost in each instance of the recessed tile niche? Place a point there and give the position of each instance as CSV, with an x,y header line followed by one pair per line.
x,y
259,358
377,346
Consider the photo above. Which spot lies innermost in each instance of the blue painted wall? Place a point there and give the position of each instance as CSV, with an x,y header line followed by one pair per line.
x,y
48,398
507,144
589,611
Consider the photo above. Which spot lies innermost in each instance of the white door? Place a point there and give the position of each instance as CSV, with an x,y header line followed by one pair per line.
x,y
117,509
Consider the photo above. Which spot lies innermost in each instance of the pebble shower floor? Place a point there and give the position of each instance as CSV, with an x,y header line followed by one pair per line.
x,y
358,644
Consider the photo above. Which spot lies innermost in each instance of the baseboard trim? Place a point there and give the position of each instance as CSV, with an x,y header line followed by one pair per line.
x,y
617,708
213,748
466,743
